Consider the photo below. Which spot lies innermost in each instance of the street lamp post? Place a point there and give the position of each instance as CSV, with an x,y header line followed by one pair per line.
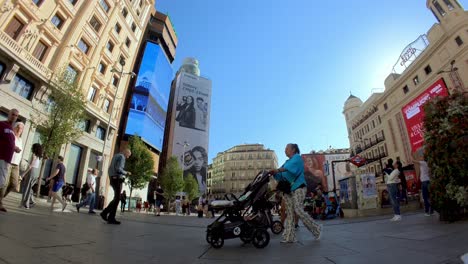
x,y
453,73
100,160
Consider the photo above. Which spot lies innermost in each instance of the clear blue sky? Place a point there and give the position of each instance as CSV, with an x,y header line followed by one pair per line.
x,y
282,70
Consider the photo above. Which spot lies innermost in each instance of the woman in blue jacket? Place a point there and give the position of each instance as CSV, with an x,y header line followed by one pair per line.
x,y
293,171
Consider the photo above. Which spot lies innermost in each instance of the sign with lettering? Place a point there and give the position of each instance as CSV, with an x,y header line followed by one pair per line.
x,y
413,113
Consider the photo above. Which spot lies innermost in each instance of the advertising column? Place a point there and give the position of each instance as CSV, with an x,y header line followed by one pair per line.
x,y
192,104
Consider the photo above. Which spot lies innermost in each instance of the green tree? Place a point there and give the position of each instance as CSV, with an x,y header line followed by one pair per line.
x,y
140,164
172,179
191,187
61,119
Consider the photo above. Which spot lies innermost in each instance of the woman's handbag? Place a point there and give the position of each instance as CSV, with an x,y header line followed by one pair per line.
x,y
285,186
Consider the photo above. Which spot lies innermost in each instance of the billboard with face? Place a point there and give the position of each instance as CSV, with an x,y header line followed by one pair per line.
x,y
314,172
191,130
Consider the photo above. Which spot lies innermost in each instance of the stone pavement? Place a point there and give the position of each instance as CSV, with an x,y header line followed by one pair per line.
x,y
40,236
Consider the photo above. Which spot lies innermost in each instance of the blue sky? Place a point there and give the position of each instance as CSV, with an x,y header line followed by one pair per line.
x,y
282,70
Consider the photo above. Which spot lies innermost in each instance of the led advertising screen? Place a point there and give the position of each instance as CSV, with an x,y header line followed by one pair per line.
x,y
413,113
192,122
150,98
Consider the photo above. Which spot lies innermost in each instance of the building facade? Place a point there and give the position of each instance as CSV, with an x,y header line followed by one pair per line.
x,y
233,169
147,98
436,62
96,41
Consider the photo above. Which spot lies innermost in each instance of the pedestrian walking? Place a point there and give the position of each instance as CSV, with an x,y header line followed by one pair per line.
x,y
403,187
292,171
159,196
90,194
117,177
59,181
392,181
31,175
123,201
8,147
424,176
14,178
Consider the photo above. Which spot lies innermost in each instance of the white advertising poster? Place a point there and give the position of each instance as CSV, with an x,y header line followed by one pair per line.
x,y
342,169
192,104
369,188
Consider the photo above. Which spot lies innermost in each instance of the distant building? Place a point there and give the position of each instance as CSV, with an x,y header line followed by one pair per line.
x,y
389,124
233,169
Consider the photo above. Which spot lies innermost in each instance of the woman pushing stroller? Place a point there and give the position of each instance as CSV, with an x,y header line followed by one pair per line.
x,y
292,172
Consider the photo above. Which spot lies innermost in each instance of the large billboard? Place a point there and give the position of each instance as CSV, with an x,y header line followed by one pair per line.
x,y
192,104
314,171
413,113
150,98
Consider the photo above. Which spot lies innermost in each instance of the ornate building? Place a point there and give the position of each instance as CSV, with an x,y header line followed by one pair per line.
x,y
96,41
233,169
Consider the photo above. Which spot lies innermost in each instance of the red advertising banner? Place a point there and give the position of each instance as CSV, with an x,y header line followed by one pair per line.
x,y
413,113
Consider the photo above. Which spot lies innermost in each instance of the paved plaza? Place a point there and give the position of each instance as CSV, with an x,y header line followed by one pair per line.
x,y
40,236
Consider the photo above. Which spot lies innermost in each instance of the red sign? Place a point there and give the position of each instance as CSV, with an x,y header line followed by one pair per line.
x,y
358,160
413,113
413,183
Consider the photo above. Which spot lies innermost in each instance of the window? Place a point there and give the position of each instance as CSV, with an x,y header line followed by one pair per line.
x,y
133,27
83,46
124,12
95,24
416,80
49,105
72,73
2,67
117,28
448,4
102,67
128,42
115,80
92,94
385,106
459,41
40,51
434,13
84,125
104,5
57,20
428,69
22,87
106,105
110,46
38,2
100,132
14,28
73,2
439,8
406,89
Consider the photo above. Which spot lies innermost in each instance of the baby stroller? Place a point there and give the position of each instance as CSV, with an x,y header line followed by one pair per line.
x,y
247,217
332,206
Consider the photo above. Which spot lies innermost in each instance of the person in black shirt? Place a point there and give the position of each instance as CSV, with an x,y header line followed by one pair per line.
x,y
159,193
123,201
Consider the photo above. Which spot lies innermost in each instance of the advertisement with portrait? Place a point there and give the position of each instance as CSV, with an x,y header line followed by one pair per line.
x,y
413,183
150,98
413,113
314,167
342,169
369,188
191,130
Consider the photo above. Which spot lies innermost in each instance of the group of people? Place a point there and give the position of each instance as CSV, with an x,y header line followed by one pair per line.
x,y
397,185
11,154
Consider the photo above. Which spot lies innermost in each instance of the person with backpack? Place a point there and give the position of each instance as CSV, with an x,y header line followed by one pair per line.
x,y
90,192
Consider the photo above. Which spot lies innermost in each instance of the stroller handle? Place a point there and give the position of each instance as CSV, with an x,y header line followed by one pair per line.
x,y
232,196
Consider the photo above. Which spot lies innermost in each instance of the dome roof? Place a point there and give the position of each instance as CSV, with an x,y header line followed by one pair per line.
x,y
352,102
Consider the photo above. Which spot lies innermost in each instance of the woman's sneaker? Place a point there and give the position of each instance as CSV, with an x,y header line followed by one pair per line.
x,y
396,218
319,236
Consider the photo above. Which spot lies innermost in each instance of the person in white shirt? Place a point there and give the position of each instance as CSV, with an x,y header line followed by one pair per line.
x,y
91,193
392,186
13,182
424,176
33,170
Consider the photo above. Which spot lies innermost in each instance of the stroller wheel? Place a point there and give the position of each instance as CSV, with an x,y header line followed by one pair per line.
x,y
260,238
277,227
217,242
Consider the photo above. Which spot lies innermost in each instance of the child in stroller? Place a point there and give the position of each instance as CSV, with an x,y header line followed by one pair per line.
x,y
247,217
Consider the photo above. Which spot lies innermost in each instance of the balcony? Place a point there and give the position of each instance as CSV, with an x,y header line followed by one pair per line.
x,y
21,55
